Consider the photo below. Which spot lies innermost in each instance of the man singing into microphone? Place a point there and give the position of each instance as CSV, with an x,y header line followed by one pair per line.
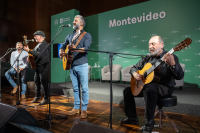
x,y
42,66
79,66
22,68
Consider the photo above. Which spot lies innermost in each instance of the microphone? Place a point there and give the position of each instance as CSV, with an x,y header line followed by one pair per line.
x,y
68,25
13,48
148,54
30,40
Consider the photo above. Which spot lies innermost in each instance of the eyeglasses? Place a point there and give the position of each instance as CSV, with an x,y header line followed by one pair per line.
x,y
153,44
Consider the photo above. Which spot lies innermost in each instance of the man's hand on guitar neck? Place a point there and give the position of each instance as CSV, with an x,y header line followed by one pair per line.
x,y
169,59
61,53
137,76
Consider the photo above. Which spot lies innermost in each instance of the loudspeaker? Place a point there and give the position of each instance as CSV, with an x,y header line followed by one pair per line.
x,y
85,127
15,128
13,114
20,128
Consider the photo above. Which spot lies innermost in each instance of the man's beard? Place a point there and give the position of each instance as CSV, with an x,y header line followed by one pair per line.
x,y
76,26
155,52
19,48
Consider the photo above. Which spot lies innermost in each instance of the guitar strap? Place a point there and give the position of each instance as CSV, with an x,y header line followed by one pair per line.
x,y
80,38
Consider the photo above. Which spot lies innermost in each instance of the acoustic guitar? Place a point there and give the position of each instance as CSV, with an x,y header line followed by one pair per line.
x,y
31,57
149,72
68,58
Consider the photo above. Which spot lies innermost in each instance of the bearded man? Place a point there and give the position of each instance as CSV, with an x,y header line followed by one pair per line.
x,y
79,66
169,71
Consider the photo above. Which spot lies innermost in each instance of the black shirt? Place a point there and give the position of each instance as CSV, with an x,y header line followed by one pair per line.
x,y
167,74
37,51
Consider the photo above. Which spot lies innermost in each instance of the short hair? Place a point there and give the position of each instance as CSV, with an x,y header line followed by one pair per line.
x,y
159,38
82,19
19,42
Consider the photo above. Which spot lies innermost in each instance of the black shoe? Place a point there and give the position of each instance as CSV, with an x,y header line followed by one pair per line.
x,y
44,101
129,120
148,126
36,100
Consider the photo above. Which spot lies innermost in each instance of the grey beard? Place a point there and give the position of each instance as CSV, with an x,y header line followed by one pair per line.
x,y
76,27
155,52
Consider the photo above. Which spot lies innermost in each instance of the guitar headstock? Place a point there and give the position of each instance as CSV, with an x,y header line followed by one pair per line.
x,y
182,44
25,40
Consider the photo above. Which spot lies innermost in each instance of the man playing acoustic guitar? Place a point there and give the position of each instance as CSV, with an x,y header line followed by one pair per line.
x,y
169,71
42,67
79,67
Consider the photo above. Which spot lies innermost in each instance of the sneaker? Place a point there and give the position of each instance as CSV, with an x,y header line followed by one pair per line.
x,y
36,100
129,120
83,114
44,101
73,112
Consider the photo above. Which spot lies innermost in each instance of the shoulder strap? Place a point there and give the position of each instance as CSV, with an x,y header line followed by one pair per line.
x,y
80,38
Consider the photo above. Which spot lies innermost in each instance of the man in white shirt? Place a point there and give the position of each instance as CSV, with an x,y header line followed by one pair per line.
x,y
22,68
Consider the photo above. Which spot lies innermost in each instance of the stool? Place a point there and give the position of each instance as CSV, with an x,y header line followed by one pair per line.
x,y
165,102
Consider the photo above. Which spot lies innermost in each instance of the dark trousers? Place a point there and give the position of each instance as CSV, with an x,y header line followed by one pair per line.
x,y
41,75
151,96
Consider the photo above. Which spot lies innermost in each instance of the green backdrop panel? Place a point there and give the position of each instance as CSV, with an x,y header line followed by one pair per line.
x,y
57,72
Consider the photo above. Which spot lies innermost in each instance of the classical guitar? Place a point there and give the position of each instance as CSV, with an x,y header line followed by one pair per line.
x,y
68,58
31,57
149,72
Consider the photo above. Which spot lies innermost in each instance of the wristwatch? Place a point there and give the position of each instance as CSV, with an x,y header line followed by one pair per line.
x,y
173,67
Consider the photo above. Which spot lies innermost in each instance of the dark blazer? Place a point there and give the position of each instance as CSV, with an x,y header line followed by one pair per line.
x,y
44,59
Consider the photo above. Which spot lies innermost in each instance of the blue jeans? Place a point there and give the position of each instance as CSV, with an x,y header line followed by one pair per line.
x,y
12,72
79,77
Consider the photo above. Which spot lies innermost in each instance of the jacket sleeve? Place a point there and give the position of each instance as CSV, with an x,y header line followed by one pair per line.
x,y
87,42
177,72
37,53
137,66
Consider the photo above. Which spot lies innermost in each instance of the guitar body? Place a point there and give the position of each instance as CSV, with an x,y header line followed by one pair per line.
x,y
31,58
67,59
137,86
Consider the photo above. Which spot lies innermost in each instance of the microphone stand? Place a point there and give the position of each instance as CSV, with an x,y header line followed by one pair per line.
x,y
0,74
110,65
49,116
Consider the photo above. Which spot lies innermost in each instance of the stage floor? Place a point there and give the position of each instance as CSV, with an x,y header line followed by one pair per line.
x,y
98,113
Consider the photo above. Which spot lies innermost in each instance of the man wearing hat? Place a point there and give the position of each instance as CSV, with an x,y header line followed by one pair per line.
x,y
42,67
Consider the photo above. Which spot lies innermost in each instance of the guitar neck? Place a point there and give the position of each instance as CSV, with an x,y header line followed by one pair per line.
x,y
171,52
154,66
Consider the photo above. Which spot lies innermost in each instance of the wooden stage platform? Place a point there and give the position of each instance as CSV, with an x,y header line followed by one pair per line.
x,y
98,113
